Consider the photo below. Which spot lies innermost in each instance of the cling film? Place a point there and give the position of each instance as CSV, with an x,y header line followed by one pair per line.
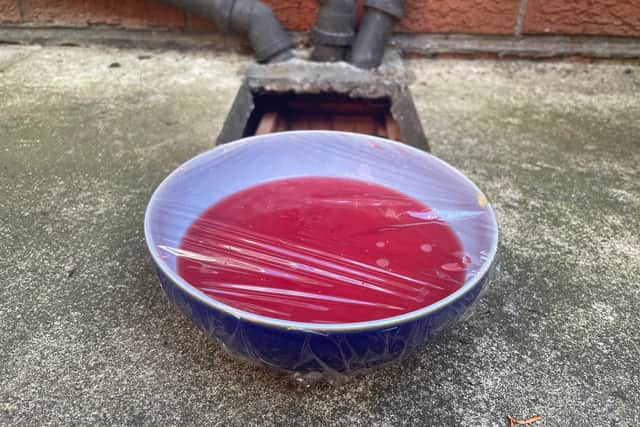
x,y
322,254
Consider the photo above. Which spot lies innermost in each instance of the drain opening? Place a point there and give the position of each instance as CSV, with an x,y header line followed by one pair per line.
x,y
307,95
278,112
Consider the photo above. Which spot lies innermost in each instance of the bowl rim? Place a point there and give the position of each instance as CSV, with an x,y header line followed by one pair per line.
x,y
316,327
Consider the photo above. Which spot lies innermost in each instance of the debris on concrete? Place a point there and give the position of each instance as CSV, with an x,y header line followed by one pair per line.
x,y
513,422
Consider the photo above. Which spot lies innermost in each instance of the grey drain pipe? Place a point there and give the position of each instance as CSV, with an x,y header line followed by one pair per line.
x,y
375,32
269,39
334,30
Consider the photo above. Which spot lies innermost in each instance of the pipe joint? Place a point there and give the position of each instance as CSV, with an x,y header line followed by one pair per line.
x,y
334,30
394,8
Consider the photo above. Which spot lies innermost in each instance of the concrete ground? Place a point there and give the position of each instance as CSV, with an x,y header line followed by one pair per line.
x,y
87,336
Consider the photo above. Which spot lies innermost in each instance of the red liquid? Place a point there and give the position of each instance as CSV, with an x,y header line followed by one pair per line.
x,y
322,250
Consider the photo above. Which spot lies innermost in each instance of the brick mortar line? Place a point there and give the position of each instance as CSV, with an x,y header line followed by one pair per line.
x,y
20,4
522,11
528,46
532,47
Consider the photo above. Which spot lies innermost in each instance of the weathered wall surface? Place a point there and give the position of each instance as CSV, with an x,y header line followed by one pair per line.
x,y
601,17
593,17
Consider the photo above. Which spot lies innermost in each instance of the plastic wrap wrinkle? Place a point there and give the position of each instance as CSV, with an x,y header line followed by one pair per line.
x,y
314,228
296,244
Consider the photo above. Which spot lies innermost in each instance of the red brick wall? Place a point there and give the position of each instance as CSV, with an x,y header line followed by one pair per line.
x,y
9,11
611,17
461,16
595,17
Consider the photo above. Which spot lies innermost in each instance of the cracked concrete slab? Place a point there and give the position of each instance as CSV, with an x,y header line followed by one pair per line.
x,y
88,337
11,55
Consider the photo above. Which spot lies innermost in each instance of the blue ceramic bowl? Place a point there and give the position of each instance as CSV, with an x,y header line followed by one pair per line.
x,y
308,347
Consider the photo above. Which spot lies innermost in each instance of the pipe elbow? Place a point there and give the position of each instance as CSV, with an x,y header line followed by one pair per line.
x,y
375,32
261,11
394,8
269,39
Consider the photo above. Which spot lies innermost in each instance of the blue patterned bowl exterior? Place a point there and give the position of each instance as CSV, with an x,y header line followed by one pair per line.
x,y
325,348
